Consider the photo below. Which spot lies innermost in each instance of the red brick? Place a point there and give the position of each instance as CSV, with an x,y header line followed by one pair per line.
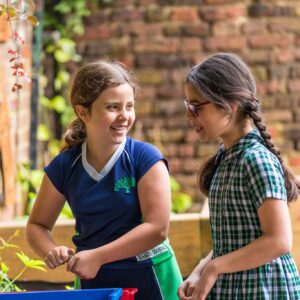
x,y
186,150
191,165
281,25
156,45
294,161
270,10
171,150
223,43
226,28
278,116
284,56
270,41
253,26
127,15
294,86
201,29
190,45
175,165
223,12
96,32
184,14
141,29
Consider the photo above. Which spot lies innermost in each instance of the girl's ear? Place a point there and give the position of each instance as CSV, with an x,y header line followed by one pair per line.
x,y
82,113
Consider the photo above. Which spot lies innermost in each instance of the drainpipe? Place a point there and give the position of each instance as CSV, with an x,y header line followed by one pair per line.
x,y
35,87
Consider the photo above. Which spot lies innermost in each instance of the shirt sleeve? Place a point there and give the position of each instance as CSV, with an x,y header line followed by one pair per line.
x,y
55,172
264,177
146,156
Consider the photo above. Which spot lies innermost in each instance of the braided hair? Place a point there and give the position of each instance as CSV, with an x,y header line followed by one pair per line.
x,y
224,79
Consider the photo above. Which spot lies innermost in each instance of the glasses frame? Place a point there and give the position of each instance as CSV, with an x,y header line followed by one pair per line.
x,y
193,108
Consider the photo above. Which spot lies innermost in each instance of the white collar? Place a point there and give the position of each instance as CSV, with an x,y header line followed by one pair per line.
x,y
108,166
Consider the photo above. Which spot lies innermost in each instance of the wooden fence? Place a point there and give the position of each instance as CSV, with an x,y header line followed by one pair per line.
x,y
189,235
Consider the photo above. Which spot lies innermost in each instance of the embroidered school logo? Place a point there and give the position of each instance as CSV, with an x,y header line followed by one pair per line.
x,y
125,183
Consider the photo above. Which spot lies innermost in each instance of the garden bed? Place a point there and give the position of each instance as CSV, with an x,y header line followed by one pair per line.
x,y
189,235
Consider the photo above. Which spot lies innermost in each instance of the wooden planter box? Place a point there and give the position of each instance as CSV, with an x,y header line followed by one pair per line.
x,y
189,235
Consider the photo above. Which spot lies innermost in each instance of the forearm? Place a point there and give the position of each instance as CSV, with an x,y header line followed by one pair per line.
x,y
203,262
138,240
40,239
253,255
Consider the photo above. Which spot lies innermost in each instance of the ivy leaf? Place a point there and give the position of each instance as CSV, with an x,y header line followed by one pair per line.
x,y
11,11
58,103
33,20
43,133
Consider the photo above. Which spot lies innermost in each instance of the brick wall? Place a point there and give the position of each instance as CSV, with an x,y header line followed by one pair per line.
x,y
160,39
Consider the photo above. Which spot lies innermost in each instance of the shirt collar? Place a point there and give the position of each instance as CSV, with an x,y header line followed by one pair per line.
x,y
242,144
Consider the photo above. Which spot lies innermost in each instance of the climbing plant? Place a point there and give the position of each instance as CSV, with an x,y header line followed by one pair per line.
x,y
17,11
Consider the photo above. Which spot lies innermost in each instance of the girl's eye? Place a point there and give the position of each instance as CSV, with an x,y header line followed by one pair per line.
x,y
112,107
130,105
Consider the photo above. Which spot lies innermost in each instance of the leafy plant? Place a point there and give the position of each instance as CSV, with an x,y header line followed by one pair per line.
x,y
18,10
181,202
7,284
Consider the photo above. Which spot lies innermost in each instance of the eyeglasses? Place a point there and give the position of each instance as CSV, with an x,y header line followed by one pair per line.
x,y
193,108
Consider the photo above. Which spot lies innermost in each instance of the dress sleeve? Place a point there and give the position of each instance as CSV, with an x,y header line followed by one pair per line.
x,y
146,156
55,171
264,177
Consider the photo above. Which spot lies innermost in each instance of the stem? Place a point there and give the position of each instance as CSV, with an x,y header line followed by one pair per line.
x,y
15,47
16,278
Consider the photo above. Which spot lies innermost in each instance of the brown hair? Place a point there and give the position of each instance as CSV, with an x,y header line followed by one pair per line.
x,y
89,82
224,79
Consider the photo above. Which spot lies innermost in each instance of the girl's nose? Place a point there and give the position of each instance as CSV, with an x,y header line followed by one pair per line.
x,y
123,114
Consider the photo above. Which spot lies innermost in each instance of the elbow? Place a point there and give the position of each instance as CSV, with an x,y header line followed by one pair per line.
x,y
161,233
283,245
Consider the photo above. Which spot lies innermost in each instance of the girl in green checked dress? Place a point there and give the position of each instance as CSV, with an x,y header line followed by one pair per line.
x,y
248,188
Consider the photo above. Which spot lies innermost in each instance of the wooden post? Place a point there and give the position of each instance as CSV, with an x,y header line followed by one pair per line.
x,y
8,161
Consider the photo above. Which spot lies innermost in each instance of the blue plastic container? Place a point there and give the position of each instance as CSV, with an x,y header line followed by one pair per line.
x,y
94,294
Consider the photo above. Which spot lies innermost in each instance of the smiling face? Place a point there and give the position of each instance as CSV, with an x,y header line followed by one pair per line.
x,y
211,122
111,116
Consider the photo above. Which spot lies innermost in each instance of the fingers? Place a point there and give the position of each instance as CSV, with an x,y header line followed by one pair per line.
x,y
183,291
71,264
58,256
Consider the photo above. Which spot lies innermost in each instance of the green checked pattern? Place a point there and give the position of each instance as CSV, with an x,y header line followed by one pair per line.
x,y
248,173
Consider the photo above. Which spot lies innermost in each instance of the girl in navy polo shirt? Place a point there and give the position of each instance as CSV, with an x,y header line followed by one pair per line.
x,y
117,188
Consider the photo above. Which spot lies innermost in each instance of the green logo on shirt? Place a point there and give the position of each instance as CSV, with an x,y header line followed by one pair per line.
x,y
125,183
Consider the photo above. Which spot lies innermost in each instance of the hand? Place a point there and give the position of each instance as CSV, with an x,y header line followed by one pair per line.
x,y
85,264
205,283
187,288
58,256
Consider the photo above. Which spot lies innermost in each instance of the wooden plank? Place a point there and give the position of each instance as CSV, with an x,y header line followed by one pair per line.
x,y
189,235
8,162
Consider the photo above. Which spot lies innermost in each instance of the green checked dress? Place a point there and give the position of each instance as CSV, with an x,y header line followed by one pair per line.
x,y
248,173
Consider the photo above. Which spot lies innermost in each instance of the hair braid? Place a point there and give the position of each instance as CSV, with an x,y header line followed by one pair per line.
x,y
252,109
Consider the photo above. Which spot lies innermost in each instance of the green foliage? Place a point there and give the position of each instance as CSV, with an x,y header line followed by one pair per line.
x,y
7,284
181,202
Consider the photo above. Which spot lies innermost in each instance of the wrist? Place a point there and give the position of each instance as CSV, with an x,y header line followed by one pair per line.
x,y
213,267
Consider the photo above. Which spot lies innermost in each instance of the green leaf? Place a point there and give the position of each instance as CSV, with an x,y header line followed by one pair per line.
x,y
33,20
62,56
58,103
4,267
43,133
25,259
36,177
31,263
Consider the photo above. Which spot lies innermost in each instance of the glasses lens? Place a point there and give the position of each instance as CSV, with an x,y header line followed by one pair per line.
x,y
191,108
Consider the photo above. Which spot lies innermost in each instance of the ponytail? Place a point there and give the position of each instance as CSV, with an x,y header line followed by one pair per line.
x,y
75,135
